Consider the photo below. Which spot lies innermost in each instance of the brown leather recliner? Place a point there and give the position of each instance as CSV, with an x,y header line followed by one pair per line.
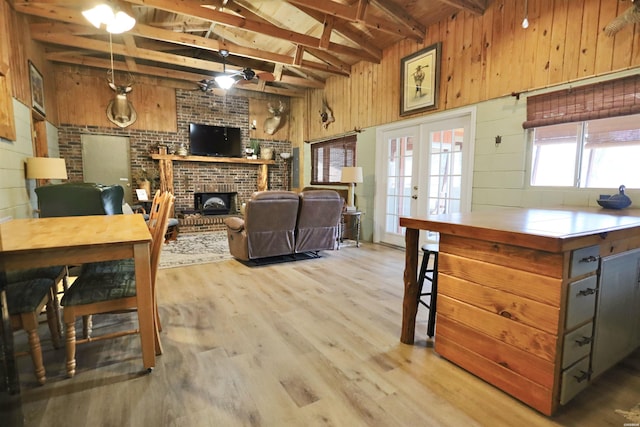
x,y
318,221
268,227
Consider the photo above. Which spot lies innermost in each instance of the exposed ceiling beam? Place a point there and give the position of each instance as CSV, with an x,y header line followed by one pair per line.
x,y
476,7
146,31
118,49
130,46
346,29
327,57
329,21
351,13
139,53
400,15
194,9
159,72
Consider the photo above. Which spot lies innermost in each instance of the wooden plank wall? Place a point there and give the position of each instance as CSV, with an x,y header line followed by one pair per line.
x,y
16,40
7,124
155,102
486,57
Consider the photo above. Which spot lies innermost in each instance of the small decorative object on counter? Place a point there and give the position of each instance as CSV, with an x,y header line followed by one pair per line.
x,y
617,201
266,153
285,156
182,149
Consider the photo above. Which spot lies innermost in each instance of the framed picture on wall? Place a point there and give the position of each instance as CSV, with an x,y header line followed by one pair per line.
x,y
37,89
420,78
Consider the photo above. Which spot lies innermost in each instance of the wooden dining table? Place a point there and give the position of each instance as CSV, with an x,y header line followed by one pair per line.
x,y
42,242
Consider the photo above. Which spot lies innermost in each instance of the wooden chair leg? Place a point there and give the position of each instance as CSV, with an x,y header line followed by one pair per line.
x,y
70,322
53,318
30,325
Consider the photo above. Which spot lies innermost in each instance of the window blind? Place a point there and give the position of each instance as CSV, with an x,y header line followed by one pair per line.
x,y
329,157
612,98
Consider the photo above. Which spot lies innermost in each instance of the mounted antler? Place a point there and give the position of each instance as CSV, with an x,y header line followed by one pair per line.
x,y
326,115
271,124
120,111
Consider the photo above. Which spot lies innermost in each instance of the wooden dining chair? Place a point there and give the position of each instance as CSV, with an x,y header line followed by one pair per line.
x,y
111,290
122,265
28,292
25,301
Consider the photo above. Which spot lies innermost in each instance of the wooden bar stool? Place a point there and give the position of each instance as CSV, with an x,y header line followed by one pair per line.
x,y
431,275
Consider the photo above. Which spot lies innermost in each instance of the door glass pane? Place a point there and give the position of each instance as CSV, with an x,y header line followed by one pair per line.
x,y
400,165
445,171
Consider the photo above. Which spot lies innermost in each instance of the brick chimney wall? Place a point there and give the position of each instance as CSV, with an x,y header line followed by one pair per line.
x,y
189,177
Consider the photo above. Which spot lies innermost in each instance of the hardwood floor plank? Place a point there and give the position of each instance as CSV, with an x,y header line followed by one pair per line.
x,y
307,343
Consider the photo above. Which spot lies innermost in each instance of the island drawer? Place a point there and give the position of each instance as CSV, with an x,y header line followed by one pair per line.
x,y
584,260
577,344
574,380
581,301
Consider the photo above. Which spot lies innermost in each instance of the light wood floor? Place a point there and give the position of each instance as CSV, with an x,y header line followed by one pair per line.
x,y
308,343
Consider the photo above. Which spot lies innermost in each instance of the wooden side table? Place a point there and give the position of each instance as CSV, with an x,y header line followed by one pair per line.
x,y
350,226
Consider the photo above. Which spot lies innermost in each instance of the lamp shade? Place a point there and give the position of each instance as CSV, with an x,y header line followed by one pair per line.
x,y
351,174
46,168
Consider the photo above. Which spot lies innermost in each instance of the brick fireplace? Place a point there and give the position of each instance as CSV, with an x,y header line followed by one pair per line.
x,y
189,177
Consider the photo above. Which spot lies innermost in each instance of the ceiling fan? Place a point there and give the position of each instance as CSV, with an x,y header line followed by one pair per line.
x,y
226,81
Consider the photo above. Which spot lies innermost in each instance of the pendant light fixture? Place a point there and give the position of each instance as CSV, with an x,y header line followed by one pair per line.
x,y
224,81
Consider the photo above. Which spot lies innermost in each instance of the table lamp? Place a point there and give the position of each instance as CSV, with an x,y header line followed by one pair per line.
x,y
351,175
46,168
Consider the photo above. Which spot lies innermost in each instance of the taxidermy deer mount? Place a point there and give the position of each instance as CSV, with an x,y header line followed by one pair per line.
x,y
629,16
326,115
120,111
272,124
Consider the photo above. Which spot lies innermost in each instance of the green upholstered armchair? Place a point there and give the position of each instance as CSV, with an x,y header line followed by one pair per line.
x,y
79,198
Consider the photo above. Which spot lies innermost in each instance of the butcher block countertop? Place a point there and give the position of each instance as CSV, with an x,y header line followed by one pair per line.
x,y
553,230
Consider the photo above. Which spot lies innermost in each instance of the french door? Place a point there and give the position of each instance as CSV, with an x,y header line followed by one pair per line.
x,y
425,169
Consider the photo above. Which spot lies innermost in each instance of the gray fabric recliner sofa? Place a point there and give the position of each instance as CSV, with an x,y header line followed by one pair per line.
x,y
285,223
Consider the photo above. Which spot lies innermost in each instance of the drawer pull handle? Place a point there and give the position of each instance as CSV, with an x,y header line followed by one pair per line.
x,y
584,375
583,341
590,258
588,291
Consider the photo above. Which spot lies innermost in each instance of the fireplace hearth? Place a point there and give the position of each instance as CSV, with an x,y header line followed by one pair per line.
x,y
215,203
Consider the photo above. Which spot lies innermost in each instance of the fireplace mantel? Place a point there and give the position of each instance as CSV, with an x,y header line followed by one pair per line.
x,y
165,162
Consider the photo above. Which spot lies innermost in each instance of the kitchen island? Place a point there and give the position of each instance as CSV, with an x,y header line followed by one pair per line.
x,y
522,299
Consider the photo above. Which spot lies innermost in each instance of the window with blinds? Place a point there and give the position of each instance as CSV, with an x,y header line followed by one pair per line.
x,y
587,137
329,157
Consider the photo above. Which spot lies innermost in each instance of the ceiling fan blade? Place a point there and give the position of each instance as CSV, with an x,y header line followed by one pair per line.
x,y
267,77
206,85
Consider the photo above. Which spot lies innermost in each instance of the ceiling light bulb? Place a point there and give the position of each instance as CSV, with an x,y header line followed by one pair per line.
x,y
224,81
98,14
115,23
525,23
120,23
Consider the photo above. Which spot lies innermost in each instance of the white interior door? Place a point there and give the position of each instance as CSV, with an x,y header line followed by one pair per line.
x,y
399,157
426,169
106,160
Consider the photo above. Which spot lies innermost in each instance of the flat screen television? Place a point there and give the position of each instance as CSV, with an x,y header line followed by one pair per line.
x,y
215,141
